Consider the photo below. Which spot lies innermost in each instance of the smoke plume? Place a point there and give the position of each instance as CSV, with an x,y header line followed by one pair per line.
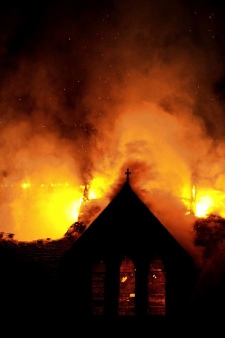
x,y
87,90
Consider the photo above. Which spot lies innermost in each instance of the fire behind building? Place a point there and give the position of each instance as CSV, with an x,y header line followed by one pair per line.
x,y
125,264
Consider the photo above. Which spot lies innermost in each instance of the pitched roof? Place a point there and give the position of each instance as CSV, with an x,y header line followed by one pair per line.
x,y
127,223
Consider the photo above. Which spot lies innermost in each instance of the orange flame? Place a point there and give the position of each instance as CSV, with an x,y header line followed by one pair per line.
x,y
204,201
45,209
49,209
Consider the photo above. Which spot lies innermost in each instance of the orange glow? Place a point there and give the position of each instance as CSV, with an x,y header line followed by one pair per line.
x,y
145,100
210,202
43,196
204,202
46,210
95,187
25,185
52,208
41,210
203,206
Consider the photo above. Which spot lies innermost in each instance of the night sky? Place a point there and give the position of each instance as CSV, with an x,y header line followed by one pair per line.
x,y
71,66
89,88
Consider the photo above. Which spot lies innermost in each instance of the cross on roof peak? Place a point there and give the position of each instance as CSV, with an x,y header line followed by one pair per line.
x,y
127,173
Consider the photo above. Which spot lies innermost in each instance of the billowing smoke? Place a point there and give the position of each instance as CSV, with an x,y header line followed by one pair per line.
x,y
87,90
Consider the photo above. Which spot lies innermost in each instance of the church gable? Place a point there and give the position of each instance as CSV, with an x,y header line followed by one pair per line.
x,y
128,264
127,224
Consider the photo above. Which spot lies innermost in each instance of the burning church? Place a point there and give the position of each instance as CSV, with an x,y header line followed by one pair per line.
x,y
125,264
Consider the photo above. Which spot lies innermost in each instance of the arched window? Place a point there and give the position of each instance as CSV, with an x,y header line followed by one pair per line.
x,y
127,288
156,288
98,288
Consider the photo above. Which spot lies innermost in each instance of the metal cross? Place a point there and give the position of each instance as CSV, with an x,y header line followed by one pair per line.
x,y
127,173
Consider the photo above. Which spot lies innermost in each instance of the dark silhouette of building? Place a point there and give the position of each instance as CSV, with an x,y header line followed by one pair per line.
x,y
124,265
127,264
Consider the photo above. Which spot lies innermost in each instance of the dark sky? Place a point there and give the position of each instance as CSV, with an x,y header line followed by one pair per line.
x,y
79,51
89,88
